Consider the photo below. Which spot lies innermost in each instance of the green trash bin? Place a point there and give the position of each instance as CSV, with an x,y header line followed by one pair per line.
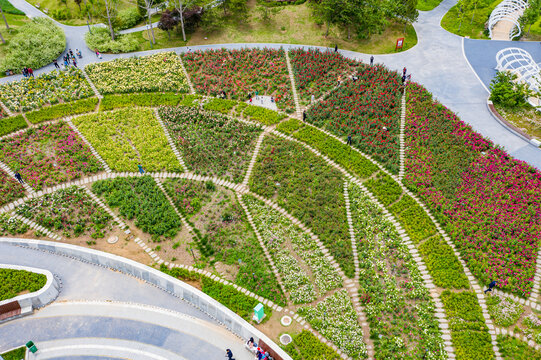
x,y
31,347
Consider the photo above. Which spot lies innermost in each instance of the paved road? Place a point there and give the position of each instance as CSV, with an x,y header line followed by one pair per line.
x,y
96,302
438,62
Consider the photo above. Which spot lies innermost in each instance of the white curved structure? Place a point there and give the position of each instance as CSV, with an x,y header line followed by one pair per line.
x,y
521,63
503,22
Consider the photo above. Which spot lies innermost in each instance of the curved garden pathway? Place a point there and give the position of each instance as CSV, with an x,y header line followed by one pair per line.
x,y
438,62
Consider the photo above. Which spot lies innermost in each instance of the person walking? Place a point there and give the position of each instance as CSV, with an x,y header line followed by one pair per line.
x,y
372,60
74,62
141,170
336,48
229,354
303,115
312,99
404,71
56,64
19,177
491,286
25,74
350,140
30,72
403,78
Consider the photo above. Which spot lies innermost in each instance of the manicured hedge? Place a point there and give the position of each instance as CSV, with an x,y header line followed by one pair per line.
x,y
263,115
386,190
221,105
11,124
413,218
16,354
61,110
110,102
13,282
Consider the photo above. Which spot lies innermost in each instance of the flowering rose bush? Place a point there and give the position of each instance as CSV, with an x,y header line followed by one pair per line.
x,y
309,189
10,189
48,155
70,212
397,304
489,202
158,72
286,243
222,227
363,109
211,144
241,72
316,72
51,88
127,137
336,319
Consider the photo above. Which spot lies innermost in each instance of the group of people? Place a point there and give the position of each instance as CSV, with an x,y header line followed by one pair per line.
x,y
28,72
251,346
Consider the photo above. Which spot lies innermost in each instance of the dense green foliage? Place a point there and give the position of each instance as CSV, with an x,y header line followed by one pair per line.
x,y
220,105
413,218
110,102
506,91
305,346
13,282
386,190
100,38
141,200
443,265
11,226
16,354
468,330
62,110
7,7
263,115
11,124
36,44
309,189
512,348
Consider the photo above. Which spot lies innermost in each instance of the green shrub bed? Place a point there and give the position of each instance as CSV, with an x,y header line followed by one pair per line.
x,y
11,226
223,234
443,265
126,137
413,218
384,188
100,38
11,124
16,354
62,110
305,346
503,310
243,305
13,282
512,348
469,332
141,200
10,189
69,212
110,102
211,144
309,189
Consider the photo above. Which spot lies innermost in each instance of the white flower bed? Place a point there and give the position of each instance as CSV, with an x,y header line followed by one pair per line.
x,y
284,239
32,93
336,320
397,304
160,72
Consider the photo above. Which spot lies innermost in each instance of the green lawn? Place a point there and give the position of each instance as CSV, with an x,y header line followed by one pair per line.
x,y
462,24
14,22
292,25
16,354
427,5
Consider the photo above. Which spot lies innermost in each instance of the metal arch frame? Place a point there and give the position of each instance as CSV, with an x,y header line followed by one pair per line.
x,y
521,63
506,11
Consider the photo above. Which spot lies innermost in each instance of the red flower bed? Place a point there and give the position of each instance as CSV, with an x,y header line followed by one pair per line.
x,y
369,110
240,72
490,203
10,189
317,72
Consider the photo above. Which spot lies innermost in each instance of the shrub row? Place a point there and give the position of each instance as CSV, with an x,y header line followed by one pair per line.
x,y
413,218
13,282
110,102
386,190
61,110
11,124
305,346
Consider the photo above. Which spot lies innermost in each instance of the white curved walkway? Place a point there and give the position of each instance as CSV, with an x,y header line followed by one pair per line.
x,y
437,62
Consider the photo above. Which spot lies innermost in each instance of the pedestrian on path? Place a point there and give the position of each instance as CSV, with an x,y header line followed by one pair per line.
x,y
74,62
141,170
403,78
372,60
336,48
25,73
19,177
65,63
404,71
491,286
229,354
56,64
304,115
350,140
312,99
30,72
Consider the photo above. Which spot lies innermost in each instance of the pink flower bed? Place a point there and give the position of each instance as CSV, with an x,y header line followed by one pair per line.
x,y
48,155
10,189
489,202
239,72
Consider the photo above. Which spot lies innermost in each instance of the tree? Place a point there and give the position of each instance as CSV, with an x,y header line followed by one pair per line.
x,y
167,22
111,11
504,90
2,38
531,14
78,2
405,10
5,21
267,12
